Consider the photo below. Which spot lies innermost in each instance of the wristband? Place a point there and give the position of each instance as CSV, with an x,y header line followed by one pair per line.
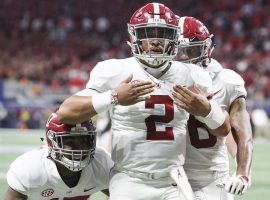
x,y
215,118
114,98
243,178
104,101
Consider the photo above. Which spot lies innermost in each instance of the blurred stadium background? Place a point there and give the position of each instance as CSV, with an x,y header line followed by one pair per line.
x,y
48,48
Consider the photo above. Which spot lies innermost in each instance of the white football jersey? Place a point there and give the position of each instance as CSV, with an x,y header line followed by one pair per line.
x,y
35,175
149,136
205,152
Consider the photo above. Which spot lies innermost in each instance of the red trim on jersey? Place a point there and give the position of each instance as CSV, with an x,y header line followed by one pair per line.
x,y
210,96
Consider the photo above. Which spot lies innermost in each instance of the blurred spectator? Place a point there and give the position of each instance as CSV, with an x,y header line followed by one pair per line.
x,y
261,123
3,113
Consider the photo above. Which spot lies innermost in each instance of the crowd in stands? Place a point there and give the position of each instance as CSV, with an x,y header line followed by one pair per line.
x,y
55,44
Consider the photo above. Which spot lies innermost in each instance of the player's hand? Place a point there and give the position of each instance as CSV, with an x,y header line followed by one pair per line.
x,y
129,92
192,100
236,185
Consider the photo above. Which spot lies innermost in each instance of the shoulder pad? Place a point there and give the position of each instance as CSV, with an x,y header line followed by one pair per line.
x,y
107,68
32,174
200,76
231,77
214,66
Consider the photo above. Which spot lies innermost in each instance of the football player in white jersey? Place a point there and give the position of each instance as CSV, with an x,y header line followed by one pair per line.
x,y
148,142
206,160
68,167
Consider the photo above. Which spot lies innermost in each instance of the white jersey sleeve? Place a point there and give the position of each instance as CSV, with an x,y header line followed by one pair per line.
x,y
102,75
234,84
100,78
26,172
228,84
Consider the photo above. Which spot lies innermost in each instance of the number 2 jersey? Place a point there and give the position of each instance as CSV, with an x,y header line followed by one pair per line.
x,y
35,175
207,154
149,136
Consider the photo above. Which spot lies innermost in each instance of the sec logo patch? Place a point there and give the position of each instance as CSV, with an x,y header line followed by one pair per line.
x,y
47,192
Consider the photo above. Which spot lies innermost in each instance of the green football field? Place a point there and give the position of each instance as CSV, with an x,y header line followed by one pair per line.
x,y
14,143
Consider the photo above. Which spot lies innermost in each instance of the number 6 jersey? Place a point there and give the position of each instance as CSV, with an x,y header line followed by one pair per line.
x,y
206,154
149,136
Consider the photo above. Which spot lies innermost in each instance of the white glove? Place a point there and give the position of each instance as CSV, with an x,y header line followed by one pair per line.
x,y
236,185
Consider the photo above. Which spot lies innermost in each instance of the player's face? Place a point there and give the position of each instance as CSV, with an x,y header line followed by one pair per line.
x,y
76,143
153,39
153,46
190,52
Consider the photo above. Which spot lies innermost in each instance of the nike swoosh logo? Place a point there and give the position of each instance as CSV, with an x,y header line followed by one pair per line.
x,y
210,96
86,190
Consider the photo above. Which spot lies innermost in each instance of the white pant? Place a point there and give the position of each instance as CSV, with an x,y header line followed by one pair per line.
x,y
208,190
125,187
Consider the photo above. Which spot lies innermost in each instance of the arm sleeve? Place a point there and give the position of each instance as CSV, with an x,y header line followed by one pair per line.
x,y
103,75
27,172
236,91
16,179
86,92
235,85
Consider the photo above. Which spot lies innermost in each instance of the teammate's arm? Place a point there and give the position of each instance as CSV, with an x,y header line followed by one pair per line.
x,y
76,108
14,195
241,130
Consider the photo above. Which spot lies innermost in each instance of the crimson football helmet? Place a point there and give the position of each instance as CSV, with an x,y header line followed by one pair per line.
x,y
153,22
195,42
71,145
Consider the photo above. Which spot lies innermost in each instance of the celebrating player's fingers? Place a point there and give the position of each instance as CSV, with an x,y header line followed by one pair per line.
x,y
228,185
180,97
196,89
139,99
233,187
183,90
181,104
145,91
142,84
145,87
244,189
128,79
239,189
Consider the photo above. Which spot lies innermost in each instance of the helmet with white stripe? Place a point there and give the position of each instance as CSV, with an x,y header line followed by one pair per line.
x,y
195,42
156,26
